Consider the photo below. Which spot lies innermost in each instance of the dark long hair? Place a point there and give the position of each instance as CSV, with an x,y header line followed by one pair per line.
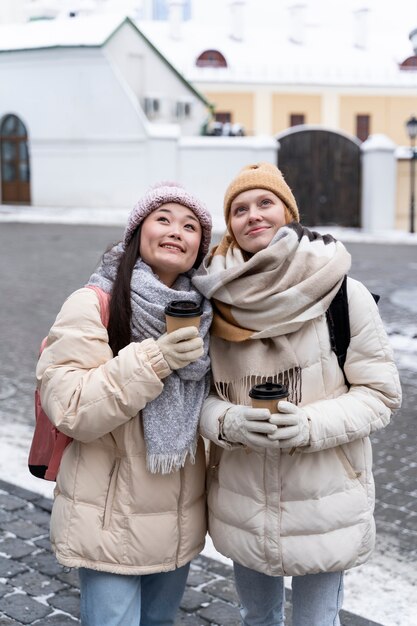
x,y
120,310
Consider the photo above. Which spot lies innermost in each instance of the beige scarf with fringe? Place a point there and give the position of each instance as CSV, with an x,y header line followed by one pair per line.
x,y
258,302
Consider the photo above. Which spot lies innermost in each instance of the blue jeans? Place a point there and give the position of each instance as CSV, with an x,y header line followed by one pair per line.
x,y
316,598
117,600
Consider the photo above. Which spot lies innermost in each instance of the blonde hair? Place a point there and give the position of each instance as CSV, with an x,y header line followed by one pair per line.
x,y
289,217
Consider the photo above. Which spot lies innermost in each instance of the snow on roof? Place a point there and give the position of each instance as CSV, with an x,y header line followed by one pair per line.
x,y
81,31
267,54
326,55
64,32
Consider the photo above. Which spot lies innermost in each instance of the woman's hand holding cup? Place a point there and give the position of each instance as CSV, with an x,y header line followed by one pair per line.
x,y
181,347
293,427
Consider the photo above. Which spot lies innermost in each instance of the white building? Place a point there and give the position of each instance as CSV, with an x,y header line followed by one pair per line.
x,y
100,107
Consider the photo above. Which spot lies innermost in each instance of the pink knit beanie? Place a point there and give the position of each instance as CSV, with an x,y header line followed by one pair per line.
x,y
161,194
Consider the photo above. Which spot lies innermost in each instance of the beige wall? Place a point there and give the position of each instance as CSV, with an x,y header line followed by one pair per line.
x,y
388,114
402,217
240,105
284,104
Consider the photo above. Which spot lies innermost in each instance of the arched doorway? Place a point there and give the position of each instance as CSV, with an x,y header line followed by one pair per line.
x,y
323,169
14,160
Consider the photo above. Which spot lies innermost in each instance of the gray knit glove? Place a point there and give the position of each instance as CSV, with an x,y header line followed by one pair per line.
x,y
243,424
293,427
181,347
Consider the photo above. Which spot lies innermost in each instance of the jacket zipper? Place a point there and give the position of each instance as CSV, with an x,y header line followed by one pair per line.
x,y
180,499
110,494
351,472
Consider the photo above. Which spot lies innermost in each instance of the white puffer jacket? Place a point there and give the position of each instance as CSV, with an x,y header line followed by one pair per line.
x,y
109,512
313,511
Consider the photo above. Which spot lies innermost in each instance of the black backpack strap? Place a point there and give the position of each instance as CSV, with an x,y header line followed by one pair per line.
x,y
339,327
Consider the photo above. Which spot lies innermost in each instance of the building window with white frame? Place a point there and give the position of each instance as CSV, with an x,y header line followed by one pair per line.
x,y
363,126
160,10
182,110
297,119
152,107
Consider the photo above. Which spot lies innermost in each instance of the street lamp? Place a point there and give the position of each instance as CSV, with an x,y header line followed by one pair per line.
x,y
411,126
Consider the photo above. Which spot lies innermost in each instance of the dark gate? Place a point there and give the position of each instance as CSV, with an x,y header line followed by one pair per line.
x,y
14,159
323,170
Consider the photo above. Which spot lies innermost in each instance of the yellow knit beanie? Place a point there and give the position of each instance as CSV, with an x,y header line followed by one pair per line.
x,y
260,176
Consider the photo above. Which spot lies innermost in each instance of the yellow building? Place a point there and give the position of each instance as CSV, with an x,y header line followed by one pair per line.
x,y
268,66
266,110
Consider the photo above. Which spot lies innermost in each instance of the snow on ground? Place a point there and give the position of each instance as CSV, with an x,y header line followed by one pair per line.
x,y
15,444
383,590
405,349
63,215
118,216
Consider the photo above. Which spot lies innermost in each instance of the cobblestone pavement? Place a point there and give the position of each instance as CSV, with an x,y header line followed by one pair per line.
x,y
41,265
35,589
391,272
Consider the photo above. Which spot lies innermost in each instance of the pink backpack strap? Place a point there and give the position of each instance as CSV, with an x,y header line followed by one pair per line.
x,y
104,300
48,444
61,442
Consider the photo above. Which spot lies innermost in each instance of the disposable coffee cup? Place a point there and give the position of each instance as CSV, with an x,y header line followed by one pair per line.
x,y
180,313
267,395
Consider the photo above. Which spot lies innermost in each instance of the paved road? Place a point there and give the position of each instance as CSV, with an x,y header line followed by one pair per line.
x,y
42,264
391,272
51,592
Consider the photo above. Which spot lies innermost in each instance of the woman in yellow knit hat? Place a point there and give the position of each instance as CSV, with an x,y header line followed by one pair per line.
x,y
290,491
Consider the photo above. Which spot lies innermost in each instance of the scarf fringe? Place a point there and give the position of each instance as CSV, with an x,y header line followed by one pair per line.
x,y
160,463
237,391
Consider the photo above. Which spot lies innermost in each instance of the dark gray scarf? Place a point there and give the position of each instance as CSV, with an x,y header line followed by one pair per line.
x,y
170,421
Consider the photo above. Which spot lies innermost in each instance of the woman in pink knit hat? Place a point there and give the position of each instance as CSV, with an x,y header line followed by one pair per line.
x,y
129,508
290,491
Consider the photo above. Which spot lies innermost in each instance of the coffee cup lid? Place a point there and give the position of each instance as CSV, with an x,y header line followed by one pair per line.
x,y
183,308
268,391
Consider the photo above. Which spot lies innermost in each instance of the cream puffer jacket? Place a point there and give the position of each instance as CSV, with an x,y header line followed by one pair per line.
x,y
109,512
313,511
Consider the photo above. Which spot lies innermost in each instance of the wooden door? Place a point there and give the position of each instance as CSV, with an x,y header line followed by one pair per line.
x,y
14,159
323,170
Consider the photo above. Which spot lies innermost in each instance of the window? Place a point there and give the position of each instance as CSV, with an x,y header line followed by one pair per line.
x,y
160,10
224,117
363,125
211,58
14,161
409,64
151,107
296,119
182,110
12,127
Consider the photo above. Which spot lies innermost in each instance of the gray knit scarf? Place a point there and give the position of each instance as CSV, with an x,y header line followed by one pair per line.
x,y
170,421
